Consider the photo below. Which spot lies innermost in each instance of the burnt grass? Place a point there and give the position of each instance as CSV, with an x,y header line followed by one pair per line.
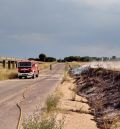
x,y
102,89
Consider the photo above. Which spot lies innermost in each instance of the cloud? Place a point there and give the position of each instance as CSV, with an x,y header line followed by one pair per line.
x,y
97,2
59,27
31,38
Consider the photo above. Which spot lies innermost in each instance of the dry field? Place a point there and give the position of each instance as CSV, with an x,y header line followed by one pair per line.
x,y
111,65
101,87
7,74
45,65
75,64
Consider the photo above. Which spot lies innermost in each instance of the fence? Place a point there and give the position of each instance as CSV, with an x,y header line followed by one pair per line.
x,y
10,63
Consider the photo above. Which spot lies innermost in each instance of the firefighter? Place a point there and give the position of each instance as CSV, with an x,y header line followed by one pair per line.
x,y
50,66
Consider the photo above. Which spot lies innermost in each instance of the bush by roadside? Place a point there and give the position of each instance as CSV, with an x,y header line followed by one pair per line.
x,y
48,118
36,122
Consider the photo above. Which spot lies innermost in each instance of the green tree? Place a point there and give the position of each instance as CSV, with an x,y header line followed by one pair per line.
x,y
42,57
50,59
114,57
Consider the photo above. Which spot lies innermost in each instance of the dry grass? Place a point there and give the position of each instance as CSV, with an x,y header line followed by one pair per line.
x,y
52,103
49,118
38,122
116,123
1,65
66,75
44,65
8,74
76,64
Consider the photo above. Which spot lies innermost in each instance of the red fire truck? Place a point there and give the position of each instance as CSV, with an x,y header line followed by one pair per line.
x,y
27,69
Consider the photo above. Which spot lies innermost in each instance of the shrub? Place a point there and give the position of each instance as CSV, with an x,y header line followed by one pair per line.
x,y
44,123
51,103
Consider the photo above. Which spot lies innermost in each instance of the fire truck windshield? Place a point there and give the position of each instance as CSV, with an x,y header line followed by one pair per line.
x,y
24,64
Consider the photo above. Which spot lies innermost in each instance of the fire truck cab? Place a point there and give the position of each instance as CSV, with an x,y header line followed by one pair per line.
x,y
27,69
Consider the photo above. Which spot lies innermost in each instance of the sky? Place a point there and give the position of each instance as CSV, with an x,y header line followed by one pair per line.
x,y
59,28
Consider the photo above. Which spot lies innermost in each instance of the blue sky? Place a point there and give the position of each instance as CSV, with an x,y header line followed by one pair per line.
x,y
59,28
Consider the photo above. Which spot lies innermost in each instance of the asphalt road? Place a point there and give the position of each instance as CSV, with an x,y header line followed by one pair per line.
x,y
35,92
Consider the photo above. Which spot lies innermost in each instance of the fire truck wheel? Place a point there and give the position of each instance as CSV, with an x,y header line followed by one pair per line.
x,y
33,76
20,77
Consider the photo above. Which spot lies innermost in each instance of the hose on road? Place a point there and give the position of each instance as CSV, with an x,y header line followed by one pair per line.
x,y
20,116
21,112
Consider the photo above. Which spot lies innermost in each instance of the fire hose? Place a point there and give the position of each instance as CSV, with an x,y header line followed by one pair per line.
x,y
20,110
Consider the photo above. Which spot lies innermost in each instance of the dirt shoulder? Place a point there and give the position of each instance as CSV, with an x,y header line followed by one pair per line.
x,y
75,108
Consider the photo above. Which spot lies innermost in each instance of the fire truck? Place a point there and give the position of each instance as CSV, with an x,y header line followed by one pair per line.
x,y
27,69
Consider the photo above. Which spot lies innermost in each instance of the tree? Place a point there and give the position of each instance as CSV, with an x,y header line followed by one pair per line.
x,y
42,57
114,57
105,58
72,58
50,59
60,60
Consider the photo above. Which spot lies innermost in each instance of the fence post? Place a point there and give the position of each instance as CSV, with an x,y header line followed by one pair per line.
x,y
13,64
4,63
16,64
9,64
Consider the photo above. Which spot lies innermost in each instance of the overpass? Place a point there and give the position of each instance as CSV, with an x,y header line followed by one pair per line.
x,y
9,62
